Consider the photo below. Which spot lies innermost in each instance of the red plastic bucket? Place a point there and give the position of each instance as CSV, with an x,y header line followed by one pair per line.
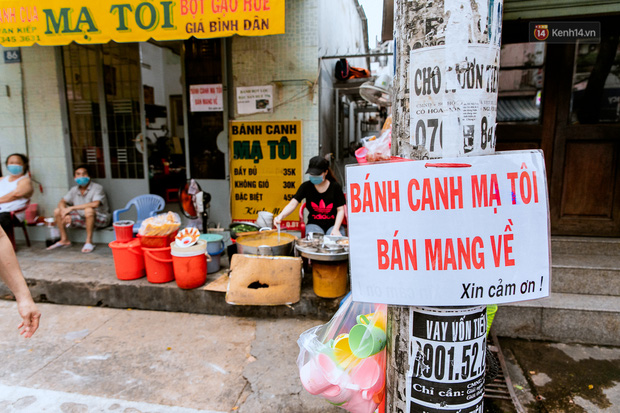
x,y
158,263
128,259
123,230
157,241
190,265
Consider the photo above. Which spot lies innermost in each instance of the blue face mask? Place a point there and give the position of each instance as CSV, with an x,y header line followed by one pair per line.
x,y
15,169
316,179
82,180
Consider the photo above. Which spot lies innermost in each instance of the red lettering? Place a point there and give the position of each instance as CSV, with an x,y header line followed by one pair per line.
x,y
367,198
450,259
479,190
478,263
523,182
535,187
456,192
413,206
433,254
396,255
427,195
464,253
393,196
411,255
441,192
513,177
497,249
382,257
495,191
380,196
510,262
354,194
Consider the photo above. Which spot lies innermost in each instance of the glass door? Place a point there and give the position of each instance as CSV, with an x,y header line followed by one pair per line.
x,y
207,127
103,92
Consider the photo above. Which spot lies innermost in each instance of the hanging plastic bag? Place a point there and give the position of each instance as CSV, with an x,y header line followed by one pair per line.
x,y
343,361
379,148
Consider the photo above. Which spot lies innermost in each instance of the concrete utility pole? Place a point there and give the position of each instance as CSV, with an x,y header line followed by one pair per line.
x,y
445,104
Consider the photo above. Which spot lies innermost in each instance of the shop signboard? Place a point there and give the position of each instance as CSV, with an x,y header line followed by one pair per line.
x,y
254,99
450,232
265,168
206,98
60,22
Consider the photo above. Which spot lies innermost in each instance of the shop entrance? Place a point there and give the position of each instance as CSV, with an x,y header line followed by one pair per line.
x,y
132,121
574,116
164,130
102,89
125,110
207,125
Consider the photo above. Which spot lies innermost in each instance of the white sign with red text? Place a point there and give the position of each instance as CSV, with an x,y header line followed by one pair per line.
x,y
206,98
450,232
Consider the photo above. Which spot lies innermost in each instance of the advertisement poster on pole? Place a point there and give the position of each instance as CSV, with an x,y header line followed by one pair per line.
x,y
454,94
254,99
265,168
450,232
446,359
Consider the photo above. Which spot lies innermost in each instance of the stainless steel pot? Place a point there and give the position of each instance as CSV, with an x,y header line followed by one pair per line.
x,y
287,242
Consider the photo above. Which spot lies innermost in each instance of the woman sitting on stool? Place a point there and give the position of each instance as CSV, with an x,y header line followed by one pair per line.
x,y
324,199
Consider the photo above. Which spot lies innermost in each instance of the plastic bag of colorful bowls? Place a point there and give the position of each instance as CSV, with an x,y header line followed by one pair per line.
x,y
343,361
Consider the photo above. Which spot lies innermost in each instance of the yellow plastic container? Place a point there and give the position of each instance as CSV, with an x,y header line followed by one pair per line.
x,y
330,279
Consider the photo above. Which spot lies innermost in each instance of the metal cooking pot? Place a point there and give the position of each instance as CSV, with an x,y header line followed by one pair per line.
x,y
287,241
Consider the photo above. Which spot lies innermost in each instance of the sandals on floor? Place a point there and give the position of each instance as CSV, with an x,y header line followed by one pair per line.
x,y
57,245
88,247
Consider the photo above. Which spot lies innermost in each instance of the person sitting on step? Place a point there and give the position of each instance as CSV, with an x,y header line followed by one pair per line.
x,y
84,206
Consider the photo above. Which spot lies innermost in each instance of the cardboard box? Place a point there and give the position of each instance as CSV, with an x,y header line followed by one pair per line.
x,y
264,280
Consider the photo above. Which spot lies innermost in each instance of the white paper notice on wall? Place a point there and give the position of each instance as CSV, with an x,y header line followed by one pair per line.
x,y
206,98
254,99
455,231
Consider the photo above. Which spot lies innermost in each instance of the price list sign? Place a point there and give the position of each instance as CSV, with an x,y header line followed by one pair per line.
x,y
446,360
265,168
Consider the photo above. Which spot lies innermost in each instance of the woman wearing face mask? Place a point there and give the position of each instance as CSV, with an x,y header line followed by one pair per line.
x,y
324,200
15,190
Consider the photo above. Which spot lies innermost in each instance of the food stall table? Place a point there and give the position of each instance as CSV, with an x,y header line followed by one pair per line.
x,y
330,269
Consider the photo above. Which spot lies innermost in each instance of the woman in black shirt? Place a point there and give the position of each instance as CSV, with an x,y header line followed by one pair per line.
x,y
324,199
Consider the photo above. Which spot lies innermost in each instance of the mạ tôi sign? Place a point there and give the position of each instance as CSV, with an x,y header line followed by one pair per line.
x,y
461,231
60,22
265,168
